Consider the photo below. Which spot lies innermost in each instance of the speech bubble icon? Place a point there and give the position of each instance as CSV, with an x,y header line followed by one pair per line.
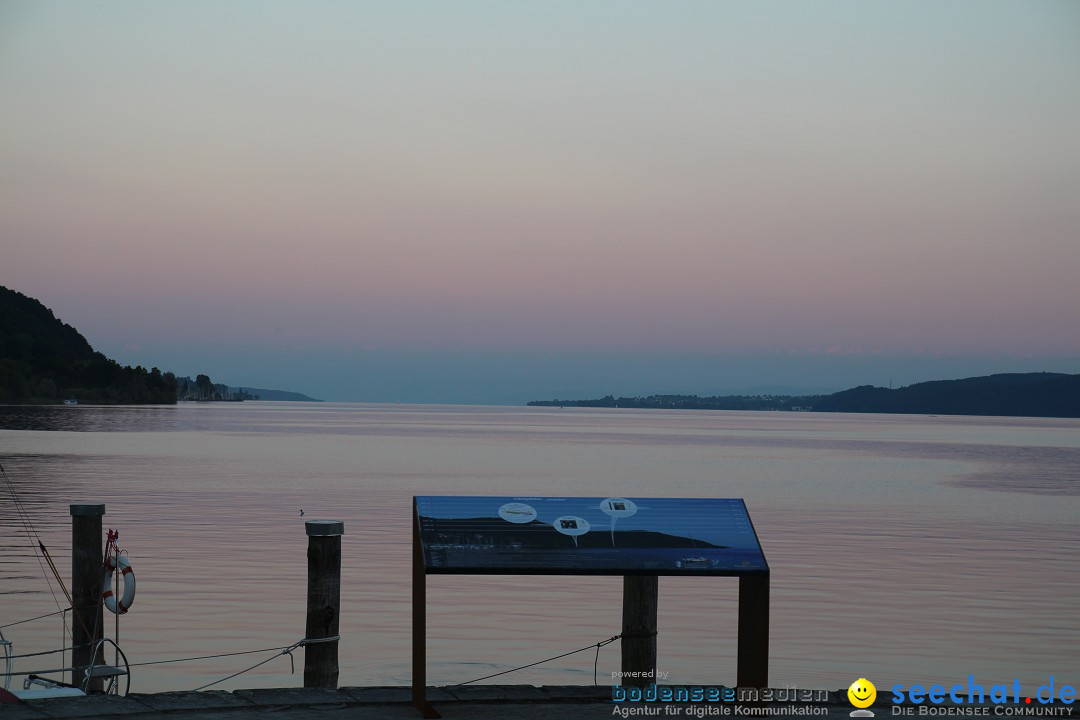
x,y
519,513
571,525
617,508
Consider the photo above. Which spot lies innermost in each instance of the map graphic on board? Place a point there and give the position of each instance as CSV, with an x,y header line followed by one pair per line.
x,y
588,535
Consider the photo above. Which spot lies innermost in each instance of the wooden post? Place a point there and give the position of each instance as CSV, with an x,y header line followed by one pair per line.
x,y
640,599
87,575
323,602
753,669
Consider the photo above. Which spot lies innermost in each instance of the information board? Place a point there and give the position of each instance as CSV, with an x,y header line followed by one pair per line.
x,y
588,535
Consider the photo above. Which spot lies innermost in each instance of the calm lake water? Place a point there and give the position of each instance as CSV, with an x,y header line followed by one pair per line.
x,y
903,548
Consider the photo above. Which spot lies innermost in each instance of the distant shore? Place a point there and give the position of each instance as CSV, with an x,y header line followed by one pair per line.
x,y
1009,395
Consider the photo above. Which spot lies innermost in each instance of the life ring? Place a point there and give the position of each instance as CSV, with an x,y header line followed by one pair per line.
x,y
129,585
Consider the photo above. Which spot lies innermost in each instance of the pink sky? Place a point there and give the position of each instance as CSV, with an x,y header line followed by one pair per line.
x,y
698,178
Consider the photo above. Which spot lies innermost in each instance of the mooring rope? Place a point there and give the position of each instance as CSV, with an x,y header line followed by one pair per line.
x,y
39,617
284,649
35,672
209,657
598,645
30,530
49,652
287,650
98,613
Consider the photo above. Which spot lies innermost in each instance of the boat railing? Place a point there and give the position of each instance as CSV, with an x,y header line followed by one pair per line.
x,y
101,670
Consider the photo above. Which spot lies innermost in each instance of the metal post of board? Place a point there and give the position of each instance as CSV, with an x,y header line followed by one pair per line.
x,y
640,600
87,576
419,624
753,669
323,602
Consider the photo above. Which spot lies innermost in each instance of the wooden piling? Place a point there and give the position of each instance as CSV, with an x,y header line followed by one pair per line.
x,y
323,602
87,575
640,600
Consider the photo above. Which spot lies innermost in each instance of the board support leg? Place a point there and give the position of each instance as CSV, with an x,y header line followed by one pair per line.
x,y
753,669
419,625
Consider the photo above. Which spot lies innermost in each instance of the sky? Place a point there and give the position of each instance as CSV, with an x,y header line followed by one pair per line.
x,y
492,202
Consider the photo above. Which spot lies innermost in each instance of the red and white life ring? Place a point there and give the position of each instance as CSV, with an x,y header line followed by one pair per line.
x,y
129,585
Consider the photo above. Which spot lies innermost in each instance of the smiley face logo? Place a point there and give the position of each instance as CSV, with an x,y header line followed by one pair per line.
x,y
862,693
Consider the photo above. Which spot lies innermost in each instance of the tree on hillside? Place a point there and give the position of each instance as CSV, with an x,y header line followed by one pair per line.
x,y
203,387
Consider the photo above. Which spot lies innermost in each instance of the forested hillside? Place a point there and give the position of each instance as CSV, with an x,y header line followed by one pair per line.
x,y
44,360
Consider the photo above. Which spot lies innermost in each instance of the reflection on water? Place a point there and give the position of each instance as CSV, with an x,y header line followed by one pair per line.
x,y
910,549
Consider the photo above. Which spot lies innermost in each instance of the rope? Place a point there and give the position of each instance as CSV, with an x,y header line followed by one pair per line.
x,y
598,645
209,657
29,529
55,572
97,657
39,617
35,672
595,664
50,652
258,664
285,649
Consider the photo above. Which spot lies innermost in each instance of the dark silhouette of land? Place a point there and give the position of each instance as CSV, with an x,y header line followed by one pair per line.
x,y
43,360
203,389
1011,394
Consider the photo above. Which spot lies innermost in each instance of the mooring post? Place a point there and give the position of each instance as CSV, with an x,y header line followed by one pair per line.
x,y
87,575
323,602
640,598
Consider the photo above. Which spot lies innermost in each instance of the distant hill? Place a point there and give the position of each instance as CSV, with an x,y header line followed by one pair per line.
x,y
189,390
264,394
689,402
1013,394
43,360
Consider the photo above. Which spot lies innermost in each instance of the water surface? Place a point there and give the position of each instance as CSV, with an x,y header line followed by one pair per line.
x,y
904,549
